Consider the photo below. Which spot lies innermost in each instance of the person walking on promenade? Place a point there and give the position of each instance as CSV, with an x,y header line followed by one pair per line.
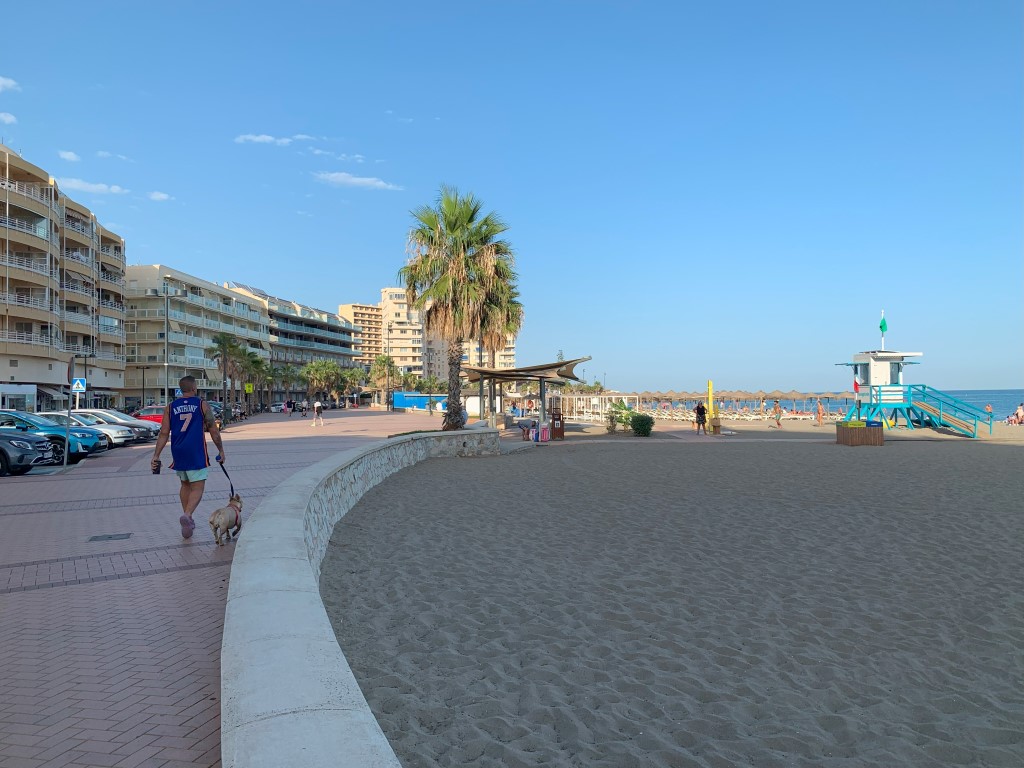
x,y
289,407
186,420
318,413
821,412
777,415
305,407
701,413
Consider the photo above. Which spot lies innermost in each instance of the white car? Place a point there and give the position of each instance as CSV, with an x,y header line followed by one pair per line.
x,y
277,408
144,430
115,433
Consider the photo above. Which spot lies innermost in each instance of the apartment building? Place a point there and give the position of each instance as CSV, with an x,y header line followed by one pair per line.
x,y
366,335
300,334
61,294
393,328
172,318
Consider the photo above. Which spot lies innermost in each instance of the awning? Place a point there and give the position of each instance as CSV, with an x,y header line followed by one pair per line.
x,y
56,394
556,372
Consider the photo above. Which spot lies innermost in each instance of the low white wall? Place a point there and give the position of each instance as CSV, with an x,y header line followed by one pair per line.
x,y
288,697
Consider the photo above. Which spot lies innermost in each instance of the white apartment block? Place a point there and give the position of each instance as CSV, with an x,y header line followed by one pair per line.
x,y
172,318
61,293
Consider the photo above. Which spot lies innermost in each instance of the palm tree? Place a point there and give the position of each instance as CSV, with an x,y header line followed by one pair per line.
x,y
322,376
382,370
458,267
352,380
226,349
502,320
289,375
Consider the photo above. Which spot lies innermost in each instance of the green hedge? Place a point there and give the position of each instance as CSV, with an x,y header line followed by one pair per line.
x,y
641,424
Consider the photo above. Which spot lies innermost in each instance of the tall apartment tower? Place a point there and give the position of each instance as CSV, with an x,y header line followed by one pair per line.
x,y
61,294
367,337
172,318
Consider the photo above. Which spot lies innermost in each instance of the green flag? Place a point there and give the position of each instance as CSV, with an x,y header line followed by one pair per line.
x,y
883,326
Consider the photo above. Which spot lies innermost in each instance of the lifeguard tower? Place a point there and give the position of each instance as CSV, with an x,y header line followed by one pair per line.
x,y
883,396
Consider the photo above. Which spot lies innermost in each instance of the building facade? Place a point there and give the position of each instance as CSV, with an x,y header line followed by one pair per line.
x,y
300,334
366,333
172,319
62,293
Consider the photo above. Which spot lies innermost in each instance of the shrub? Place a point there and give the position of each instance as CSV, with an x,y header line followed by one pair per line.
x,y
642,424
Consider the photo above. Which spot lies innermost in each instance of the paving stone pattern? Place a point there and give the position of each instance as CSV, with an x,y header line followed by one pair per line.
x,y
110,650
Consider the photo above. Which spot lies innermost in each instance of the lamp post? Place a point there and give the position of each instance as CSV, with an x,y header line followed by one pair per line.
x,y
387,401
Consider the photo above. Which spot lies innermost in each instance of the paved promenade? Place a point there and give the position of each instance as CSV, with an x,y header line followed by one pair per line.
x,y
110,649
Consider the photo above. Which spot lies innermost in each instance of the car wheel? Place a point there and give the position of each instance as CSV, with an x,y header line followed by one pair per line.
x,y
5,466
110,443
74,459
58,452
17,471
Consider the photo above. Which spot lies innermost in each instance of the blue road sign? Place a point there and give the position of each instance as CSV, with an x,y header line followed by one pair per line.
x,y
78,385
177,392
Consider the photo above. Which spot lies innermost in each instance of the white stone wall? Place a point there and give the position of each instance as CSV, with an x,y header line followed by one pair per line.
x,y
288,697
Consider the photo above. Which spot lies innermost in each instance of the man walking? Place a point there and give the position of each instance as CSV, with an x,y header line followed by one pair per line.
x,y
318,413
185,421
777,415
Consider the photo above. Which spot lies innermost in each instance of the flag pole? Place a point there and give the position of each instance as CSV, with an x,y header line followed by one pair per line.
x,y
882,327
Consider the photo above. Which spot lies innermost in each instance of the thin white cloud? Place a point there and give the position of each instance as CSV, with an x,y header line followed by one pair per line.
x,y
341,179
7,118
307,214
405,119
262,138
104,154
159,196
315,151
86,186
352,158
67,154
303,137
6,84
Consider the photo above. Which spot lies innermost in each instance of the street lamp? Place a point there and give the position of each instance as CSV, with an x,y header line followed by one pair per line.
x,y
387,401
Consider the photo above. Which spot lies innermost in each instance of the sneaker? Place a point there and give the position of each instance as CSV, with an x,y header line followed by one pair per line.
x,y
188,525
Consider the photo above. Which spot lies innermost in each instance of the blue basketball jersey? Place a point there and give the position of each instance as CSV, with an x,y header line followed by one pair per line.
x,y
188,440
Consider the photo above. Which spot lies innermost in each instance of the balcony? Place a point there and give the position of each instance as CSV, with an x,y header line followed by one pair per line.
x,y
77,225
17,337
105,354
114,252
115,305
112,278
20,300
82,258
77,317
34,191
30,262
311,345
110,330
41,229
79,288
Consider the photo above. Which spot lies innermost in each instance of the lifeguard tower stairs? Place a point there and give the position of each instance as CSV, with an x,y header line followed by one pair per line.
x,y
882,396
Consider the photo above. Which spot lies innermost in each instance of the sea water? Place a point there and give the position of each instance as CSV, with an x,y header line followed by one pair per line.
x,y
1003,401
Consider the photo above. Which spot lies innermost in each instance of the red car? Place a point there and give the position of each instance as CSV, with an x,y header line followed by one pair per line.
x,y
151,413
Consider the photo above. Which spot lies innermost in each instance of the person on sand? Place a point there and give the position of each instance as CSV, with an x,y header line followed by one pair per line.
x,y
185,422
820,412
777,415
701,412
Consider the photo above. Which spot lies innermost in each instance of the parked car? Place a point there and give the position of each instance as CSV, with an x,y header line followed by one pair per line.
x,y
108,416
116,434
277,408
83,440
140,434
19,453
153,413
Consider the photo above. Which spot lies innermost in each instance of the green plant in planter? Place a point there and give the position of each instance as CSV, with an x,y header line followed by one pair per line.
x,y
619,413
642,424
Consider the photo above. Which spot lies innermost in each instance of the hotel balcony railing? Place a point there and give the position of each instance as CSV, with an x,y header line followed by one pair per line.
x,y
110,277
115,305
84,349
78,256
77,317
105,354
109,330
78,288
284,325
35,191
77,226
17,337
114,252
42,229
30,262
19,300
311,345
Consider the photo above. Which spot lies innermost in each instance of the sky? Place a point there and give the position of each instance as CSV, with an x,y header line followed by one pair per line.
x,y
728,191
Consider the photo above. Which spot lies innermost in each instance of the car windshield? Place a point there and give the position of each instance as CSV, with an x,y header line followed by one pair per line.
x,y
86,419
110,416
38,420
60,418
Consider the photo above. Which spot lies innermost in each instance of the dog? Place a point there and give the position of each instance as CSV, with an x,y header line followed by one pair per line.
x,y
224,519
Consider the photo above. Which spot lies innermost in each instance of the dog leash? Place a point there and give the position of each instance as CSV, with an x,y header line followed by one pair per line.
x,y
226,475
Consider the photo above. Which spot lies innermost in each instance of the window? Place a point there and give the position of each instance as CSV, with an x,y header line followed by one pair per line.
x,y
14,363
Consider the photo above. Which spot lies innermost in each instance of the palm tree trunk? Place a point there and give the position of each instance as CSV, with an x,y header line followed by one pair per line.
x,y
453,416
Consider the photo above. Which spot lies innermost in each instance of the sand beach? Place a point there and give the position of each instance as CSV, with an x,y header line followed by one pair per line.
x,y
685,601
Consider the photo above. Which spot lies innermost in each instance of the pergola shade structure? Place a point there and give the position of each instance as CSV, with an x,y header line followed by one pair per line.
x,y
557,372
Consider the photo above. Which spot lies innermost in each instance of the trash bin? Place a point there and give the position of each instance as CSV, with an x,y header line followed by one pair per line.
x,y
716,426
557,425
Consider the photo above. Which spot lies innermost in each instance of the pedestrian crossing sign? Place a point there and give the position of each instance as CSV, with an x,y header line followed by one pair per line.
x,y
78,385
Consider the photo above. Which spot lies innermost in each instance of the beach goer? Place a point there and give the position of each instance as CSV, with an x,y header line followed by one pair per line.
x,y
820,412
988,408
305,407
1018,415
185,423
701,413
777,415
318,413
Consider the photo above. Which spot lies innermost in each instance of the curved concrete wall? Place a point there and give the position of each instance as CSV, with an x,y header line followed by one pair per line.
x,y
288,697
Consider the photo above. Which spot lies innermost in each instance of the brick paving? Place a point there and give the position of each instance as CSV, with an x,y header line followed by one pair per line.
x,y
110,650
